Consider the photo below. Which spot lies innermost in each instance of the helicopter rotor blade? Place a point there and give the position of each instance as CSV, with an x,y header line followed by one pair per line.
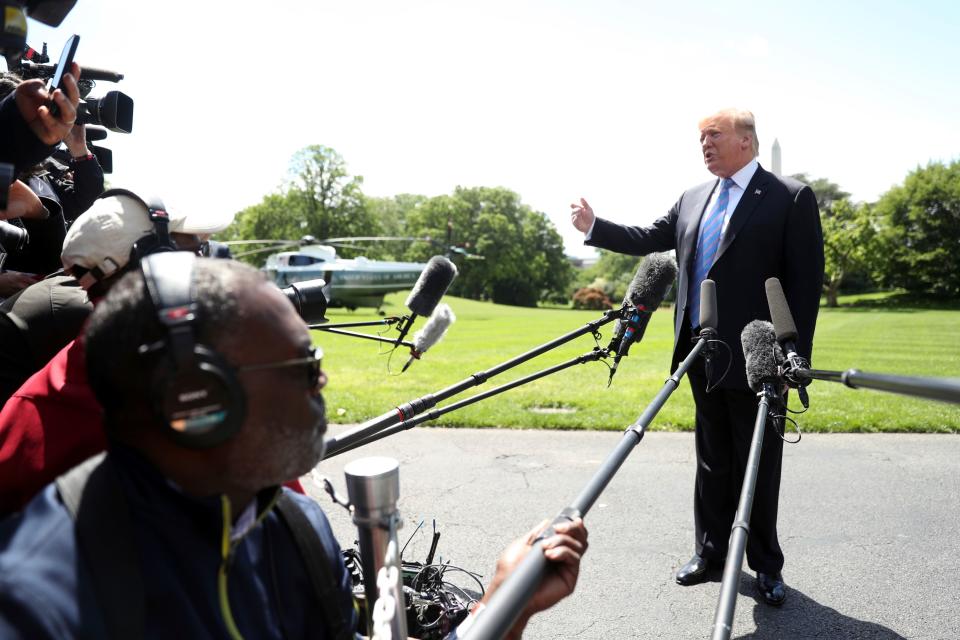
x,y
266,249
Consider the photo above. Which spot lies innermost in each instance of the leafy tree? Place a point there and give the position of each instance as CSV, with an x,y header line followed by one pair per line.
x,y
612,273
326,199
319,198
523,260
827,192
391,213
922,230
849,235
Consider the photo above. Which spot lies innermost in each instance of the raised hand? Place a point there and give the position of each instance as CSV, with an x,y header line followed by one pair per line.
x,y
582,216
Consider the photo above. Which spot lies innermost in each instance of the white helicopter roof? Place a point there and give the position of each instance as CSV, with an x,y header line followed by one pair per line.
x,y
321,256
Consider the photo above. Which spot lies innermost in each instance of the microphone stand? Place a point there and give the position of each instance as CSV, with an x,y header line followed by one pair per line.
x,y
415,407
942,389
723,618
508,601
592,356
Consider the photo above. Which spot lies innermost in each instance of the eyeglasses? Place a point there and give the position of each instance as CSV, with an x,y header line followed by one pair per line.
x,y
312,362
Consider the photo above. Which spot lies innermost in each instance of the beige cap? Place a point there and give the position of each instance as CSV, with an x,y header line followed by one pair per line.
x,y
101,238
194,223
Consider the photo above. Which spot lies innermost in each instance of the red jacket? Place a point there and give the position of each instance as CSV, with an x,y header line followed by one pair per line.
x,y
51,424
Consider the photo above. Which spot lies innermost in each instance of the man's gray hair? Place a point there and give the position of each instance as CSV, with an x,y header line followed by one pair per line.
x,y
119,374
745,123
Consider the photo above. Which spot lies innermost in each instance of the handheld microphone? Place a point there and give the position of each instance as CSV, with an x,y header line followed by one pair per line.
x,y
786,331
373,488
426,293
762,354
649,287
431,333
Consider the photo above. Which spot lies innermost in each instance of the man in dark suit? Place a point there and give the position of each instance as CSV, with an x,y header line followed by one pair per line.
x,y
738,230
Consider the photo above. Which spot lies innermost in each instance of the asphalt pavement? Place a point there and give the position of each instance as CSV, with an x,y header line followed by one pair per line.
x,y
868,524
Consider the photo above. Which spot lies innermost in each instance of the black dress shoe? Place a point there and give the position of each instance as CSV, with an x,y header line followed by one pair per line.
x,y
771,588
693,572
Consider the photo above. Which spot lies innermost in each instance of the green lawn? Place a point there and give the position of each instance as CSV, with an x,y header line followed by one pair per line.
x,y
869,336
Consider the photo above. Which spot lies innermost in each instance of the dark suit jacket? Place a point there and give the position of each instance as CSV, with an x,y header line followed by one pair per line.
x,y
773,233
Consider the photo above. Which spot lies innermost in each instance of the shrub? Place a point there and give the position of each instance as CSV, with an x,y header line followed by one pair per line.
x,y
591,299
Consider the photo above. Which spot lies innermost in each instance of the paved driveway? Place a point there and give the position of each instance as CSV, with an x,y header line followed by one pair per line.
x,y
868,524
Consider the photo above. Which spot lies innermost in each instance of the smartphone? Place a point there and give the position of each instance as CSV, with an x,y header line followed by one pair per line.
x,y
63,67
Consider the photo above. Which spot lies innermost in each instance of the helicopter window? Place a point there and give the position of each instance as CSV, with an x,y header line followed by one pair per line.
x,y
302,261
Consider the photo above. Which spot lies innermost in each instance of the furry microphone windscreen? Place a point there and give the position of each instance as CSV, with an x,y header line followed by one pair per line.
x,y
434,329
650,284
431,285
762,353
653,280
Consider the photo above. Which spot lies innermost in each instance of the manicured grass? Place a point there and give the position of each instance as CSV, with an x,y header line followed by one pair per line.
x,y
901,340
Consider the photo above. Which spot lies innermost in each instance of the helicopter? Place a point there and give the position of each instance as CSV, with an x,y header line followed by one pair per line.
x,y
350,283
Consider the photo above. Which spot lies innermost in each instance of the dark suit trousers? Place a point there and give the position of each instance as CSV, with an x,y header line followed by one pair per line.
x,y
724,429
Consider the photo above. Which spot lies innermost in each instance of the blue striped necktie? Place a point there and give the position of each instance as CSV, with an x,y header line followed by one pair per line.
x,y
711,228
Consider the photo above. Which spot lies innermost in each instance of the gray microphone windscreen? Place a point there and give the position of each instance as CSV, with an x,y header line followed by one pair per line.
x,y
431,285
652,281
762,353
708,304
434,328
780,311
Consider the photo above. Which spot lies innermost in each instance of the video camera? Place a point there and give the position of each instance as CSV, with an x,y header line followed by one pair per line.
x,y
114,110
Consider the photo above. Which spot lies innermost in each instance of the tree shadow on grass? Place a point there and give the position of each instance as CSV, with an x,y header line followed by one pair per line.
x,y
802,617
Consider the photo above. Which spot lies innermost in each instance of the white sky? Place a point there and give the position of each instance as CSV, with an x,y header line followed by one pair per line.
x,y
551,99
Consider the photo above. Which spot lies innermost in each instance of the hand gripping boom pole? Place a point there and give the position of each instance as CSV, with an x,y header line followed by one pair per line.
x,y
508,601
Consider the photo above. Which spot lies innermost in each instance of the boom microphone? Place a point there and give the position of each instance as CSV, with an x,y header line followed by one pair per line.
x,y
649,287
708,323
431,333
429,288
798,374
708,306
762,353
763,356
787,335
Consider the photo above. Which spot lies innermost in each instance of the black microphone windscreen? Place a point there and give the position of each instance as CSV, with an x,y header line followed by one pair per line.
x,y
708,304
653,280
430,287
780,311
762,353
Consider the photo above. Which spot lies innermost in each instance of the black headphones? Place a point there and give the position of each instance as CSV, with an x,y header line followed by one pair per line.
x,y
157,241
195,391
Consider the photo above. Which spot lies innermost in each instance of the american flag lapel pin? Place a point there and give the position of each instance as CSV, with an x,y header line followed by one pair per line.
x,y
757,192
